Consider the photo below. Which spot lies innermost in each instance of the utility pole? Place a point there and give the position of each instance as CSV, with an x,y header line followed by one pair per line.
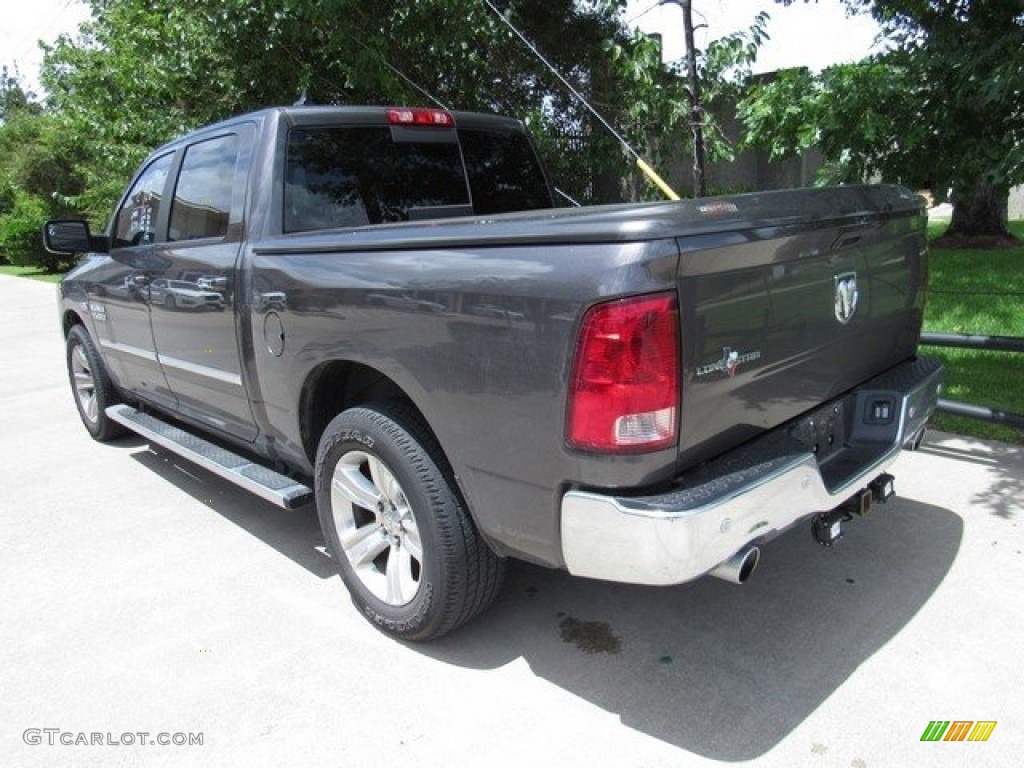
x,y
700,188
696,112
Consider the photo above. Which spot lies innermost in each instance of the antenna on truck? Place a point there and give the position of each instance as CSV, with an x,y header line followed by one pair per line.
x,y
640,162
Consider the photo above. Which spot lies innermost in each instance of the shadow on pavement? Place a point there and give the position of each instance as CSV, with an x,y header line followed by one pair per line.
x,y
722,671
294,533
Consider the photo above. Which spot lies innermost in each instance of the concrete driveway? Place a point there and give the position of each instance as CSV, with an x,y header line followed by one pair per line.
x,y
140,595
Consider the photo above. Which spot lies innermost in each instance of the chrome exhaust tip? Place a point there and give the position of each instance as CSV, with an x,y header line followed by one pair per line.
x,y
737,569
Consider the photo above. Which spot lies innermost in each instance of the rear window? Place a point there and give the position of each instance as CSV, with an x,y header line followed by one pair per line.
x,y
504,174
351,176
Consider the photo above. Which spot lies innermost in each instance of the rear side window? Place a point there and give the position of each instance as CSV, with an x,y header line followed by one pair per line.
x,y
350,176
202,197
503,171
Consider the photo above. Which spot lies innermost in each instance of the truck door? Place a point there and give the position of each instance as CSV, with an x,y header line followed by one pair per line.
x,y
194,303
119,298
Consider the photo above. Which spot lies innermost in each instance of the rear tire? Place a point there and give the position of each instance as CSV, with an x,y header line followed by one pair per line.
x,y
91,386
404,543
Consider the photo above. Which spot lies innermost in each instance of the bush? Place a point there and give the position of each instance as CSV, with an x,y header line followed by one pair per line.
x,y
21,240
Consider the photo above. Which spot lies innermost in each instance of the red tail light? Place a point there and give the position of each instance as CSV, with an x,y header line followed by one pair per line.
x,y
624,390
419,116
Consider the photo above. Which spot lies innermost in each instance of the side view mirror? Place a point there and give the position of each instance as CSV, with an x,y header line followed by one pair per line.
x,y
66,237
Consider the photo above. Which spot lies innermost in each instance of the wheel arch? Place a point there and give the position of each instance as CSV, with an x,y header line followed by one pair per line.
x,y
337,385
69,319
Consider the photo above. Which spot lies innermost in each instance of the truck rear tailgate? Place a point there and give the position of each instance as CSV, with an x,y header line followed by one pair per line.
x,y
788,312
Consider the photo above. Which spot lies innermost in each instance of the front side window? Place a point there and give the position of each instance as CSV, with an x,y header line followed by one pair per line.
x,y
136,220
202,196
350,176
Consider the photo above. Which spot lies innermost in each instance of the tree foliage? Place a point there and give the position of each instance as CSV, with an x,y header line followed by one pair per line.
x,y
143,71
656,114
861,117
36,177
942,106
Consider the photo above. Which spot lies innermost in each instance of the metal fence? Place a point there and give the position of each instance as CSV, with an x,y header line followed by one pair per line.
x,y
989,344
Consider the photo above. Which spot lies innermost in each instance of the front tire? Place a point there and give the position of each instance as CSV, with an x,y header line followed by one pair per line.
x,y
404,543
91,386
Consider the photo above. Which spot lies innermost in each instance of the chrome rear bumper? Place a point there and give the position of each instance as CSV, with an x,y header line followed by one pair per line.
x,y
747,496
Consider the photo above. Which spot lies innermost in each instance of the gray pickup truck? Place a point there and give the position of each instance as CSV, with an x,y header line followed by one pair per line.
x,y
381,308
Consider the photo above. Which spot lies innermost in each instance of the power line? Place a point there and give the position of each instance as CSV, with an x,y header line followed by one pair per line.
x,y
380,56
640,162
34,37
644,12
566,83
408,79
423,91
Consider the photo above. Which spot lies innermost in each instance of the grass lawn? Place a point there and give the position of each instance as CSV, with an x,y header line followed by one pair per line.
x,y
32,273
975,291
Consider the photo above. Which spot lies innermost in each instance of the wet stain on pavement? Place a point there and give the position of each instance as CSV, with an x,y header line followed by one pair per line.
x,y
590,636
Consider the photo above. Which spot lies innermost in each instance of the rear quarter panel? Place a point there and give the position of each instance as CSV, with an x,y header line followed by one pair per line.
x,y
480,339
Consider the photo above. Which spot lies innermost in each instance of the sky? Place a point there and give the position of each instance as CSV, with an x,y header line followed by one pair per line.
x,y
804,34
814,35
27,21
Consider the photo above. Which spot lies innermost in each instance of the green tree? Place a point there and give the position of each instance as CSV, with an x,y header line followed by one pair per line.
x,y
862,117
13,98
942,106
662,115
36,178
143,71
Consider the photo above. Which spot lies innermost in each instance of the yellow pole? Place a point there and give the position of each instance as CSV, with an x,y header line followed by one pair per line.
x,y
656,179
